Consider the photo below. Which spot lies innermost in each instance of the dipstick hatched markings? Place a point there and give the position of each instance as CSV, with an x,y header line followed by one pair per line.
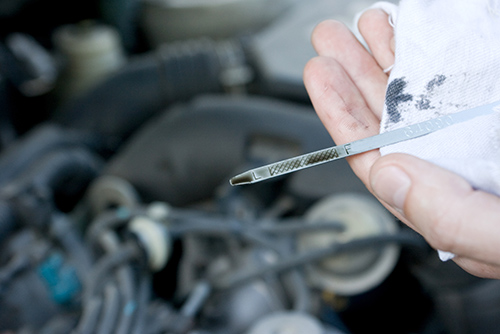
x,y
302,161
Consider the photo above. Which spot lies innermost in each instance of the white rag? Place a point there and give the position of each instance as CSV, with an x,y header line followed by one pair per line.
x,y
447,59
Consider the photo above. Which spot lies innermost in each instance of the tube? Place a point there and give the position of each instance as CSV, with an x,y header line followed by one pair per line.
x,y
8,220
147,84
286,264
36,144
110,310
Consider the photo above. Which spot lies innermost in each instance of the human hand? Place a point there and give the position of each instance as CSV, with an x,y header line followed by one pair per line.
x,y
347,84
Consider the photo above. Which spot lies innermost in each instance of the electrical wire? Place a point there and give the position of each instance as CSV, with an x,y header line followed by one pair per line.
x,y
90,315
62,229
109,220
143,299
16,265
258,234
301,293
125,280
106,265
111,306
196,299
118,258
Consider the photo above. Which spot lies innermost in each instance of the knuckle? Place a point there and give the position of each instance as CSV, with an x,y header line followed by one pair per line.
x,y
326,29
445,229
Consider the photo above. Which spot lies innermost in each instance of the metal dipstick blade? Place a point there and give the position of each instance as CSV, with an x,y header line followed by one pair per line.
x,y
289,165
362,145
243,178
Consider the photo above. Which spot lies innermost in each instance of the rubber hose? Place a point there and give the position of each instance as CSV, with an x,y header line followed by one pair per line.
x,y
67,171
24,153
144,86
8,221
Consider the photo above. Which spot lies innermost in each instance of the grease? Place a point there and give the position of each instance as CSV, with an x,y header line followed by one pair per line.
x,y
424,103
243,178
394,97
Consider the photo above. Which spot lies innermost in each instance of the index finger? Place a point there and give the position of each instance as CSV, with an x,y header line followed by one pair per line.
x,y
342,109
333,39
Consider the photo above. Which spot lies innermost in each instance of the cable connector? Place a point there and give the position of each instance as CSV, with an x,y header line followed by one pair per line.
x,y
154,239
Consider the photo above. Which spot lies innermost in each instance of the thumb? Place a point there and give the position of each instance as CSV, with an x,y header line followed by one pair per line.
x,y
440,205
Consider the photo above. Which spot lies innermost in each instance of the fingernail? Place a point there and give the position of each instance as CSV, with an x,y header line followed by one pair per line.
x,y
391,184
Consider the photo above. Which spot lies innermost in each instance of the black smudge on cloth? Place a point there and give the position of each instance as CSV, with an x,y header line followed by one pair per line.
x,y
394,96
424,102
436,82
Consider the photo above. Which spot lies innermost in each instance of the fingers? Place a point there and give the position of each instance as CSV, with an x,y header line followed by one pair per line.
x,y
342,108
378,35
477,268
443,207
347,87
333,39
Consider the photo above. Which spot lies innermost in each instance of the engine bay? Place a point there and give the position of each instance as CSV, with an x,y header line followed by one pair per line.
x,y
121,125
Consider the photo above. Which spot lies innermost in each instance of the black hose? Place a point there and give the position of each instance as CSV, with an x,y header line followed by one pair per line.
x,y
208,225
8,220
56,181
25,152
285,264
146,85
17,264
263,240
297,226
66,170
